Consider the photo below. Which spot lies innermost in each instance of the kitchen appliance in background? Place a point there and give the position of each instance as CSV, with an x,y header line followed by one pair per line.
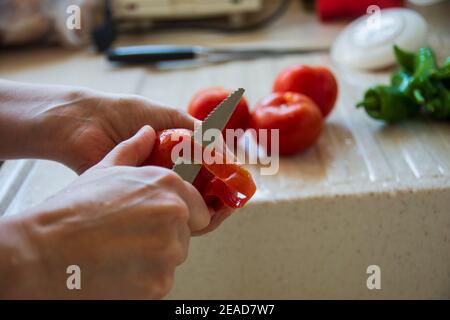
x,y
131,16
175,9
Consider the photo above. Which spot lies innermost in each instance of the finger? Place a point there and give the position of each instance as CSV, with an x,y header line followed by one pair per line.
x,y
179,119
184,237
216,220
132,152
162,117
199,217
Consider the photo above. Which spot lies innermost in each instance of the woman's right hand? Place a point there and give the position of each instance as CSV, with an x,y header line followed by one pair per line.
x,y
126,227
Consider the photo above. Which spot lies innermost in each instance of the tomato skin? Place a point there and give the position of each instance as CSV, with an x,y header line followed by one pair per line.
x,y
221,185
164,143
317,82
296,116
204,101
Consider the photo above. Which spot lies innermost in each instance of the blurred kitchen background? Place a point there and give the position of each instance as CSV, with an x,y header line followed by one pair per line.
x,y
305,23
365,194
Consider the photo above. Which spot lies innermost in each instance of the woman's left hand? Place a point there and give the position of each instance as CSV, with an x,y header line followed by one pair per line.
x,y
75,126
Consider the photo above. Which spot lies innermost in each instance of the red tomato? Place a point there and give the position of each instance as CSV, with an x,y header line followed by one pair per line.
x,y
296,116
220,184
318,83
204,101
165,142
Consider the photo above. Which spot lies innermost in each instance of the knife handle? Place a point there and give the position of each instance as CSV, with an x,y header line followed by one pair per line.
x,y
150,54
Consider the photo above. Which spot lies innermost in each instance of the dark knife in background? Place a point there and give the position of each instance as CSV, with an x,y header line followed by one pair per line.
x,y
153,54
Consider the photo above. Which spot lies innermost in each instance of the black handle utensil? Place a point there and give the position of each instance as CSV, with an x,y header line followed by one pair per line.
x,y
153,54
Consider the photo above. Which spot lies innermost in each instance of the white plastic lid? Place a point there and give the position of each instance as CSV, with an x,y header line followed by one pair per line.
x,y
367,42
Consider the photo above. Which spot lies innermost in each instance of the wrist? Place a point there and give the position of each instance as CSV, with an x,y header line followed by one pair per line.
x,y
35,121
50,129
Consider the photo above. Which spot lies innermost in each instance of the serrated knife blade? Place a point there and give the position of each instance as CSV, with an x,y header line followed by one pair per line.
x,y
217,119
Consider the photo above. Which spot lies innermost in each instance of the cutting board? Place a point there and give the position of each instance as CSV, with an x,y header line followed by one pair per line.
x,y
365,194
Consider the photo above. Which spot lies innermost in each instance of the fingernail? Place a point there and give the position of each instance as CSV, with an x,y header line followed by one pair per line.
x,y
144,129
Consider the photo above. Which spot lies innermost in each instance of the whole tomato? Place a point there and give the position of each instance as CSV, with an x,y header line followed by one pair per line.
x,y
317,82
204,101
222,184
296,116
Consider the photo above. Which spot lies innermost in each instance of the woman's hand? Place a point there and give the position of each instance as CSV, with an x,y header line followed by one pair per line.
x,y
96,123
127,228
74,126
78,126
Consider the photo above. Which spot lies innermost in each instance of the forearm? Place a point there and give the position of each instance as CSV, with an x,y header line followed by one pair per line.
x,y
24,130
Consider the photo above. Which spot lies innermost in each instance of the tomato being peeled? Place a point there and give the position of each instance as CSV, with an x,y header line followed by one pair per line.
x,y
296,116
204,101
317,82
220,184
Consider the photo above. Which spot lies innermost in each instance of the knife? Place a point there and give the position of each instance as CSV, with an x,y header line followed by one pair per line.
x,y
163,53
217,119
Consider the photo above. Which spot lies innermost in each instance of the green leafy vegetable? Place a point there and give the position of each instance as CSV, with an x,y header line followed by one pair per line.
x,y
419,86
405,59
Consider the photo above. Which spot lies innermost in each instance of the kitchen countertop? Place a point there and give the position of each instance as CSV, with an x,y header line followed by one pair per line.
x,y
365,194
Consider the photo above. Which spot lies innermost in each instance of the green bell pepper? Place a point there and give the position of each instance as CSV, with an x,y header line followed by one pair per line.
x,y
388,103
419,85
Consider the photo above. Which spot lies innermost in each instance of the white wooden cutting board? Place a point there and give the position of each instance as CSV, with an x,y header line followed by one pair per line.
x,y
366,194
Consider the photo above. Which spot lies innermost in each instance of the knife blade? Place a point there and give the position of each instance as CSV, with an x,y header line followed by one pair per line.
x,y
154,54
217,119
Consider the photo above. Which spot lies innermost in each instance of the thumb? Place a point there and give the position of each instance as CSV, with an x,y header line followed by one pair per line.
x,y
132,152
